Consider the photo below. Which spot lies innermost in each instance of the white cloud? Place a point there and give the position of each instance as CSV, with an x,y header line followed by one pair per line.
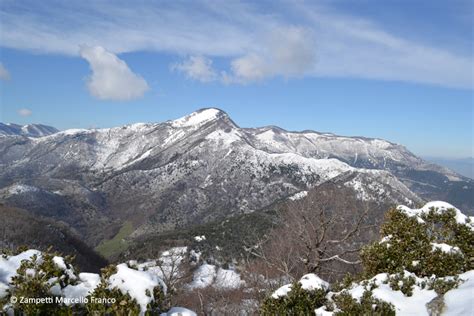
x,y
24,112
358,48
4,74
281,40
197,68
288,52
111,79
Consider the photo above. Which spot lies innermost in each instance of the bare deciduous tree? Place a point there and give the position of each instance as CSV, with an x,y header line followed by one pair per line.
x,y
318,234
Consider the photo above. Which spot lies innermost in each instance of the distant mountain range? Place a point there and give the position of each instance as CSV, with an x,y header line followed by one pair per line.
x,y
148,178
30,130
464,166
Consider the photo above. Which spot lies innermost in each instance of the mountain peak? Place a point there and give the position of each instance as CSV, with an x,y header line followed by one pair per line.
x,y
200,117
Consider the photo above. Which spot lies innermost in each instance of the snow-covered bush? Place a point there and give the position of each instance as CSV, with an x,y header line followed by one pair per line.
x,y
41,283
422,265
299,298
41,276
367,305
436,239
312,295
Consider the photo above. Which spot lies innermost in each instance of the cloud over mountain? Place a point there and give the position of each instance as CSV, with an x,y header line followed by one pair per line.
x,y
196,68
111,78
24,112
255,40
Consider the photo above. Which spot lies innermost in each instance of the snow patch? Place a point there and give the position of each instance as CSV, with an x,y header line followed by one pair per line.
x,y
9,265
459,301
311,282
203,277
86,285
199,238
138,284
196,119
209,275
179,311
21,188
438,207
445,248
282,291
298,196
228,279
404,305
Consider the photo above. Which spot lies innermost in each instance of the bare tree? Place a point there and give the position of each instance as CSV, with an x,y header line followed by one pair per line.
x,y
174,268
318,234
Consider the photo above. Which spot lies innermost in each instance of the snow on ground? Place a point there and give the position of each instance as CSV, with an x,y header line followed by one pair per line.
x,y
179,311
203,277
298,196
138,284
438,207
196,119
173,136
225,138
10,264
167,266
404,305
199,238
309,282
282,291
21,188
460,301
209,275
227,279
86,284
445,248
71,132
457,301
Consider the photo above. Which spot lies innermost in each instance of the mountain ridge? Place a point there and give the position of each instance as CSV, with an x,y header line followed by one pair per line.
x,y
29,130
201,168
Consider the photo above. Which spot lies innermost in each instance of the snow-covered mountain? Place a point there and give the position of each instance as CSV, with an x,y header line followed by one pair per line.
x,y
200,168
30,130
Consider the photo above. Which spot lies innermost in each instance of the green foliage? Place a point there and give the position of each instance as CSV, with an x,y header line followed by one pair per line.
x,y
441,286
297,302
159,301
110,301
302,302
39,277
114,246
400,282
409,245
345,282
368,305
34,280
105,301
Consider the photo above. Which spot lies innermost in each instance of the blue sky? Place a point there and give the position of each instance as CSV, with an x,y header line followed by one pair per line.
x,y
399,70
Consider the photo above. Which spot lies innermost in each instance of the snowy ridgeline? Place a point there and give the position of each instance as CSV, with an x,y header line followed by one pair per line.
x,y
135,279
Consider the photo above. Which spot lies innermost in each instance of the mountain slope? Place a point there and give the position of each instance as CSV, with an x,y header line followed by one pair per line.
x,y
21,228
198,169
30,130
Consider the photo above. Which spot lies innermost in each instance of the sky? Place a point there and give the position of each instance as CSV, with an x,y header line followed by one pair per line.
x,y
396,69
